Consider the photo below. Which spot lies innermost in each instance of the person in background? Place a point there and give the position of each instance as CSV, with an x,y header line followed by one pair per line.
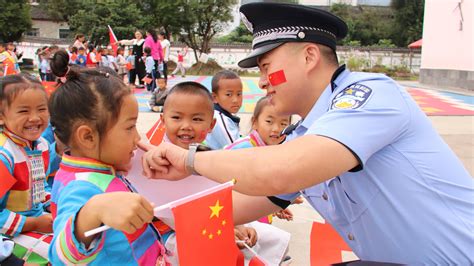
x,y
166,45
121,63
179,66
81,57
137,49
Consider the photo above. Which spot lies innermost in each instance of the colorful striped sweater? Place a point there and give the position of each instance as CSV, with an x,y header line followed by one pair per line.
x,y
252,140
77,180
28,164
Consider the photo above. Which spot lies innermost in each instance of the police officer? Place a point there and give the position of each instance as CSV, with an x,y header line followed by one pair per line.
x,y
365,156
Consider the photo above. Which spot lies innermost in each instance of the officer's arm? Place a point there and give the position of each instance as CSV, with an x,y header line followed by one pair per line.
x,y
278,169
250,208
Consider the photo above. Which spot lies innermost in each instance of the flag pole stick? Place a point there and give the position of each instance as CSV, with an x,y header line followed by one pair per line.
x,y
252,251
106,227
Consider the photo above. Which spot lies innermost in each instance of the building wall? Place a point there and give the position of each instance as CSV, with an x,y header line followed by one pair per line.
x,y
447,57
49,29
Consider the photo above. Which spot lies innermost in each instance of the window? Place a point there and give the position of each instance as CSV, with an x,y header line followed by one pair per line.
x,y
64,33
34,32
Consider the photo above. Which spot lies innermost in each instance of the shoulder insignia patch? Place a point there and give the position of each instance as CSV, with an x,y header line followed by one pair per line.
x,y
352,97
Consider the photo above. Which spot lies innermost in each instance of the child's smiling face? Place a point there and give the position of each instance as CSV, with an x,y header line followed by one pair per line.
x,y
27,115
188,118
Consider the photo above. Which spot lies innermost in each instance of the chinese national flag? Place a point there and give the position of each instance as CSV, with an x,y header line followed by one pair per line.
x,y
277,78
113,40
326,245
6,180
156,133
205,229
49,86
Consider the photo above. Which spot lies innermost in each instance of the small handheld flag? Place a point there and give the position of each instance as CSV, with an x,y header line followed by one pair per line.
x,y
113,40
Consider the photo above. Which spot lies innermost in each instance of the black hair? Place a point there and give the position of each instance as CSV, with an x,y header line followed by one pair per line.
x,y
147,50
223,74
2,44
79,35
191,88
162,33
153,34
81,49
11,85
91,96
74,49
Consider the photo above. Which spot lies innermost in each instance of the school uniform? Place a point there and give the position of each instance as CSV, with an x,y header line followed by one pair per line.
x,y
226,130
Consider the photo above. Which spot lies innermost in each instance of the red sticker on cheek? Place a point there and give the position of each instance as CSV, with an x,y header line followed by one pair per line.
x,y
277,78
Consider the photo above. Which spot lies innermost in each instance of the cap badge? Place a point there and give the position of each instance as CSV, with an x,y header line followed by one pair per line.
x,y
301,35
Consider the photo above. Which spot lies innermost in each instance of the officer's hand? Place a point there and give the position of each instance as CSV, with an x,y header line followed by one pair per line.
x,y
166,161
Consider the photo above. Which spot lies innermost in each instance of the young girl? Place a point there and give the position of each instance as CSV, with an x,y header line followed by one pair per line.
x,y
95,114
121,63
266,130
26,159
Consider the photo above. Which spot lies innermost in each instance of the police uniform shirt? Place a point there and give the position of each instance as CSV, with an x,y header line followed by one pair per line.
x,y
410,200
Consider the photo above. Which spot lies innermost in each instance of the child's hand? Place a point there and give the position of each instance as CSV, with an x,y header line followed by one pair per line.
x,y
124,211
247,234
284,214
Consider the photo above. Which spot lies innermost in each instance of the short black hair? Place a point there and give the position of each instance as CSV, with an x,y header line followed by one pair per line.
x,y
191,88
147,50
223,74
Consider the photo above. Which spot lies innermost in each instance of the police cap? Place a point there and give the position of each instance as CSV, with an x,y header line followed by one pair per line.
x,y
273,24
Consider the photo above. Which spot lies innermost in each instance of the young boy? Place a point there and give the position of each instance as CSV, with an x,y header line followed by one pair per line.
x,y
188,118
227,97
149,68
7,61
158,96
81,57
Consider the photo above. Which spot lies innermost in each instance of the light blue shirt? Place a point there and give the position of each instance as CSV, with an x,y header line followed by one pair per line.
x,y
411,200
225,132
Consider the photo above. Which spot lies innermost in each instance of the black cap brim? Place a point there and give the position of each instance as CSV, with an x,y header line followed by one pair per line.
x,y
251,60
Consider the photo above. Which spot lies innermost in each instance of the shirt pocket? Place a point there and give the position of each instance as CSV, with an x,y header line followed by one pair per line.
x,y
355,193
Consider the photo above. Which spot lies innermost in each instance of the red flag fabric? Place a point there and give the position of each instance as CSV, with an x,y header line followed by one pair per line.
x,y
326,245
255,261
6,180
277,78
205,230
240,257
49,86
156,133
113,40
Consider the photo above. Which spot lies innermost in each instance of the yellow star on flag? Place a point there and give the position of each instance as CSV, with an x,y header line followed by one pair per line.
x,y
219,232
204,231
349,91
215,210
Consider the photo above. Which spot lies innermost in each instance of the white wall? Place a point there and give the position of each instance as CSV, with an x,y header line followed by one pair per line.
x,y
445,46
49,29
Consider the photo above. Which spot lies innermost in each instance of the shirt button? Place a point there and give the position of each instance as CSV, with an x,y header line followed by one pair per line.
x,y
350,236
325,196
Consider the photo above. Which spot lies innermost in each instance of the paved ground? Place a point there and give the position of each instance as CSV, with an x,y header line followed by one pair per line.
x,y
451,114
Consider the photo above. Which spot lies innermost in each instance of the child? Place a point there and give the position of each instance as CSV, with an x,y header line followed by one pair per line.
x,y
7,61
73,55
266,130
188,118
26,159
181,54
121,63
149,68
227,95
158,96
94,113
91,58
111,58
81,57
130,65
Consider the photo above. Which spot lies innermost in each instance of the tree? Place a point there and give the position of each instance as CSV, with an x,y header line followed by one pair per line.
x,y
238,35
124,17
15,19
408,21
366,25
201,20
